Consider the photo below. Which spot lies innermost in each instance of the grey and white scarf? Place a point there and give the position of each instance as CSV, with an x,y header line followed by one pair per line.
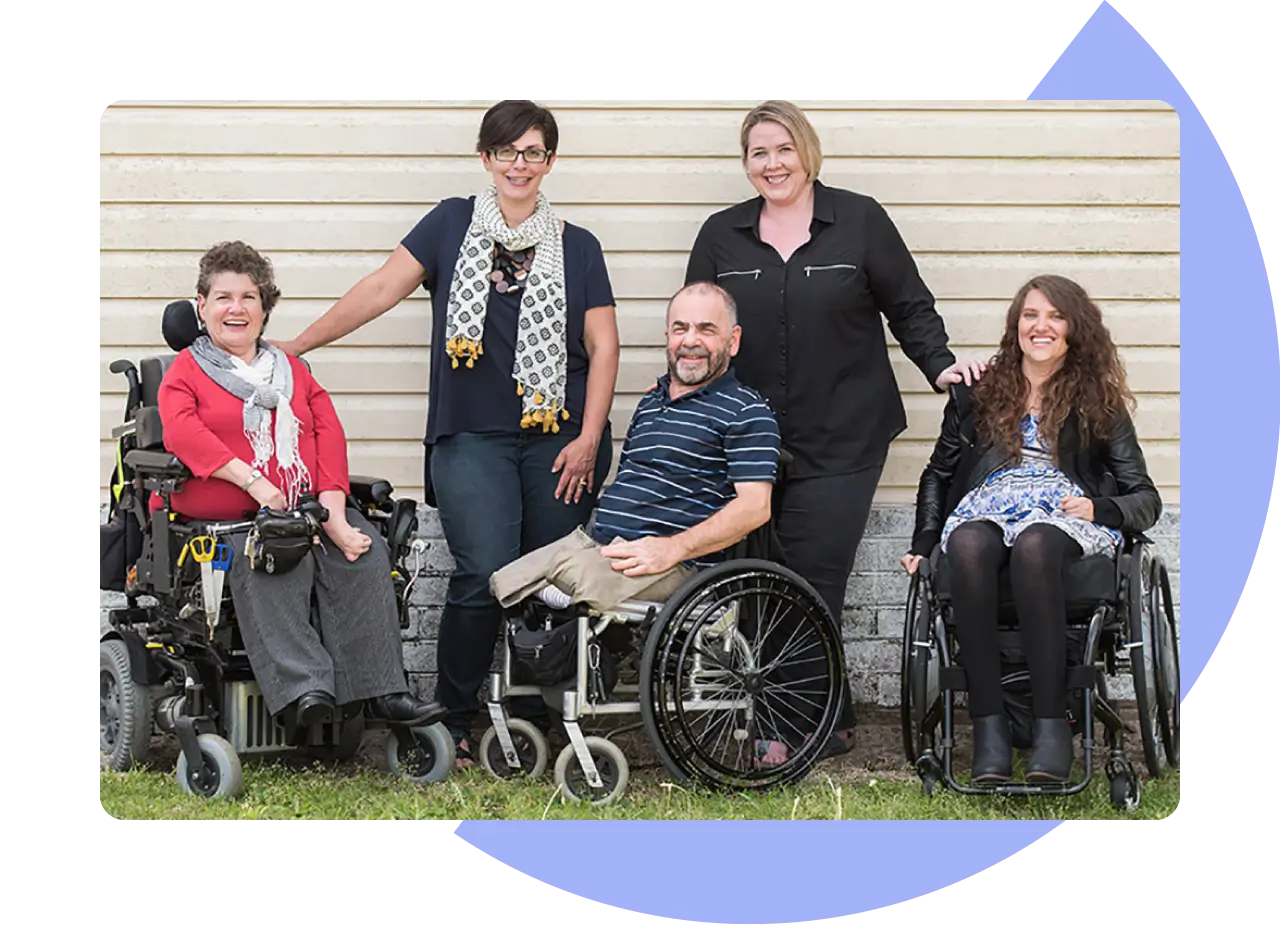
x,y
264,385
541,353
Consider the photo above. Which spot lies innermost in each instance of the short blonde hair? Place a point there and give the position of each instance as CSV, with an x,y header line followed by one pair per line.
x,y
790,117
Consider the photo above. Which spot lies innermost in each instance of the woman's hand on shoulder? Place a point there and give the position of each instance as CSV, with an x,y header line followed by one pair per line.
x,y
911,563
966,371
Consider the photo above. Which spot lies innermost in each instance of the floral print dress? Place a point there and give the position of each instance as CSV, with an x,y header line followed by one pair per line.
x,y
1016,497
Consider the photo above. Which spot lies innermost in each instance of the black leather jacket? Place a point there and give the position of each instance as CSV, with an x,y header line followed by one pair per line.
x,y
1112,473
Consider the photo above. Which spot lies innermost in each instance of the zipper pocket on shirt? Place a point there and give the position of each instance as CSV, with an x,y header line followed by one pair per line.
x,y
754,274
834,266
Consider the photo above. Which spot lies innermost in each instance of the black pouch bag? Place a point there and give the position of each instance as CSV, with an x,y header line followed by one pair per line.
x,y
541,653
278,541
121,540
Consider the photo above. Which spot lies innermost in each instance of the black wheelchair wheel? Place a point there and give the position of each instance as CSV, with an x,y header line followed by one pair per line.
x,y
1142,656
124,707
743,656
919,702
1168,679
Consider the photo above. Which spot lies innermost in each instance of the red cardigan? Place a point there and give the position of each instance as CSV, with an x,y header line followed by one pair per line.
x,y
204,428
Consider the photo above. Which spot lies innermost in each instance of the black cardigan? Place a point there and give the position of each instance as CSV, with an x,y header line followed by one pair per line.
x,y
1112,473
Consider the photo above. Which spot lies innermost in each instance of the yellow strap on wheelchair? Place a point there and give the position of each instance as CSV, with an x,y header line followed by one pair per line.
x,y
182,556
117,488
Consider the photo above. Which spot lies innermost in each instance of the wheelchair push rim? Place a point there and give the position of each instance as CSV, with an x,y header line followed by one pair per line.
x,y
920,695
1143,657
743,655
1168,678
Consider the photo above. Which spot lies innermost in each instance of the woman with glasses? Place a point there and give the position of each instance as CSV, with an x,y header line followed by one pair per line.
x,y
524,359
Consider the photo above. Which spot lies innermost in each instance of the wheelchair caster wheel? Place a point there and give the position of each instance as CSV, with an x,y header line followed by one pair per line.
x,y
610,763
427,760
531,751
1125,791
220,778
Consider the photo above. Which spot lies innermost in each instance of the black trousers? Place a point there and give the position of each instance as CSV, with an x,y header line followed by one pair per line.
x,y
976,552
820,522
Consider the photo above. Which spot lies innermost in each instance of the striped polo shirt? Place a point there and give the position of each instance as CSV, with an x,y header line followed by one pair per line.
x,y
681,459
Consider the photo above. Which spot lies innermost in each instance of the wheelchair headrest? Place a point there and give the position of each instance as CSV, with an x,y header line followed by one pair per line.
x,y
181,324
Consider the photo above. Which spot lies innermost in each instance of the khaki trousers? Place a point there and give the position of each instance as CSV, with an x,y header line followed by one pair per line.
x,y
574,565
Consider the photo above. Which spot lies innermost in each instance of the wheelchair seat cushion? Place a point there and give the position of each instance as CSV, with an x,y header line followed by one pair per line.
x,y
1089,581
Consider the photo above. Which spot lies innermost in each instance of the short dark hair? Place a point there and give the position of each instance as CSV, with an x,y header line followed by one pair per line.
x,y
238,257
505,122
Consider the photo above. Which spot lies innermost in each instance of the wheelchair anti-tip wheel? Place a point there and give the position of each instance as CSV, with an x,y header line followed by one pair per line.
x,y
743,656
220,778
531,751
125,708
611,765
427,756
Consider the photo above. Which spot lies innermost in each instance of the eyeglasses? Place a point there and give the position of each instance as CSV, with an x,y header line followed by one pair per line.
x,y
509,153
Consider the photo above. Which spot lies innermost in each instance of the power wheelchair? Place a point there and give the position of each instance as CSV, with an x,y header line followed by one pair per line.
x,y
744,652
1119,616
170,663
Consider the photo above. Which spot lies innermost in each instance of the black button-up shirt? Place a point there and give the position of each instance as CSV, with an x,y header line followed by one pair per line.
x,y
812,339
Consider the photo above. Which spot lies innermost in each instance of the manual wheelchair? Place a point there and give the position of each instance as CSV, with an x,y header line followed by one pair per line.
x,y
175,661
1119,615
744,652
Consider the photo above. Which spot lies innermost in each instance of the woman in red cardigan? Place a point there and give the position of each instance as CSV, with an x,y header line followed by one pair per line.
x,y
257,431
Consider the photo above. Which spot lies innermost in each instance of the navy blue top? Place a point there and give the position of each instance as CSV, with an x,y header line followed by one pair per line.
x,y
483,400
681,458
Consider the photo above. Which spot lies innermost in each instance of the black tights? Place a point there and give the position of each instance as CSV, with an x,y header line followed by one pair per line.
x,y
975,552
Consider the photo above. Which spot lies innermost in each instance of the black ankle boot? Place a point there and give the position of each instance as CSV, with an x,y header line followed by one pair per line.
x,y
992,749
1051,751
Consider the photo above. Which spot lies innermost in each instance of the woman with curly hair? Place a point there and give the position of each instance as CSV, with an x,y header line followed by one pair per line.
x,y
1036,467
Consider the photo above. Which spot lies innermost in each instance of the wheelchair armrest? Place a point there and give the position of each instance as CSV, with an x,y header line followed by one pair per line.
x,y
370,491
155,462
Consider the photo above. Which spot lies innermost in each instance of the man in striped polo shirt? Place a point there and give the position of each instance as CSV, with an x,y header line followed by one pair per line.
x,y
696,475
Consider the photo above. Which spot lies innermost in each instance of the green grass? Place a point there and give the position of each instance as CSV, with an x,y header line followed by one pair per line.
x,y
282,791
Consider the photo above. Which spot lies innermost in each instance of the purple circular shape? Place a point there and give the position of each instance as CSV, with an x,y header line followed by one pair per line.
x,y
819,870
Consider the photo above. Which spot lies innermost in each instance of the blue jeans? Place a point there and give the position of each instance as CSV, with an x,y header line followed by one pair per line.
x,y
496,500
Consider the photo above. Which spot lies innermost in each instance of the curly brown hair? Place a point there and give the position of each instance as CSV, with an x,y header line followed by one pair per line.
x,y
238,257
1091,380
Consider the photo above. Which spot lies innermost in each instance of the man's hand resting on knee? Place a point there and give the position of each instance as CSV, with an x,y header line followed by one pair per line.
x,y
650,555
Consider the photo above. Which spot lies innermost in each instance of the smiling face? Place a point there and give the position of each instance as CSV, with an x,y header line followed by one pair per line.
x,y
774,165
701,339
233,314
1042,332
518,181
